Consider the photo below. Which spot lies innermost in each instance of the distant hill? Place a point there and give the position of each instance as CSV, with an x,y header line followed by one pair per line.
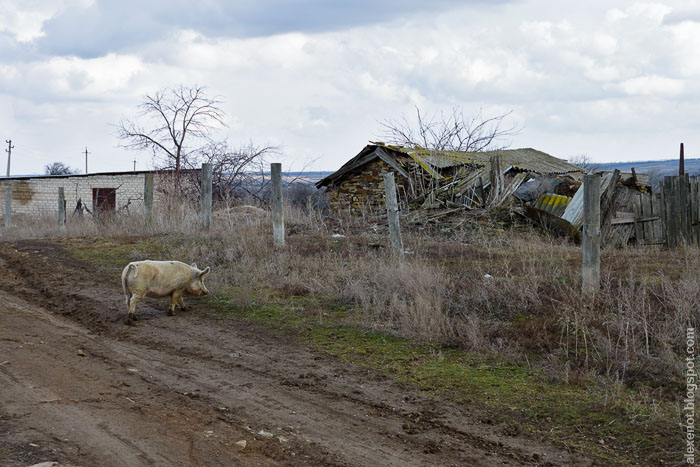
x,y
657,170
310,177
667,167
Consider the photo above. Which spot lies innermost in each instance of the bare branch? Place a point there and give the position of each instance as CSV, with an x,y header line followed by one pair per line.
x,y
237,170
179,117
453,132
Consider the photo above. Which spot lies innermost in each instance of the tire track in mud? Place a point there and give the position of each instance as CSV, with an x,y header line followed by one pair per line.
x,y
340,414
419,418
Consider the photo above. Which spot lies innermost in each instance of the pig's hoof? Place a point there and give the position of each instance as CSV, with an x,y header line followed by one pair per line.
x,y
171,312
130,320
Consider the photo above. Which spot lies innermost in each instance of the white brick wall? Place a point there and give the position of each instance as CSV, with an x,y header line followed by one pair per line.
x,y
39,196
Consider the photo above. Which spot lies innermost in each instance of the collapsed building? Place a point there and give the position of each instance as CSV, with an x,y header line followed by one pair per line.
x,y
544,188
434,179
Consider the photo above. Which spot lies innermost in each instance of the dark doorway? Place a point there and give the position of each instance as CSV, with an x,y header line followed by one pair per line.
x,y
104,199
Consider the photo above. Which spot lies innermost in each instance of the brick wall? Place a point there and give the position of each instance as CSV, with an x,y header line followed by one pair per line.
x,y
39,196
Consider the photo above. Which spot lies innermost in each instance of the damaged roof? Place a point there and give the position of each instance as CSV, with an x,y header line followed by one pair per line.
x,y
526,159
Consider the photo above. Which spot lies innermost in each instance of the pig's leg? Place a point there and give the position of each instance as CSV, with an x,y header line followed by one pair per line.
x,y
175,297
181,302
133,300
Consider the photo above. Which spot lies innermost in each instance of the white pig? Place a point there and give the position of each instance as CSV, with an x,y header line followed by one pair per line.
x,y
160,279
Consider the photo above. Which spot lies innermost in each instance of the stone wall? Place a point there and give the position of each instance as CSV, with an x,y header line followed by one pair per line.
x,y
38,196
363,190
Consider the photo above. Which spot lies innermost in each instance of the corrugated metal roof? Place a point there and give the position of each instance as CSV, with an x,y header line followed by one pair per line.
x,y
552,203
548,212
527,159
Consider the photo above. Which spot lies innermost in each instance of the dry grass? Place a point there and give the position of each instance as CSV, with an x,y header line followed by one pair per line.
x,y
529,309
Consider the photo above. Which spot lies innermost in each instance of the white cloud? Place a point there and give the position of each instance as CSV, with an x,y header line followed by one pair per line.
x,y
652,11
480,70
653,86
25,20
61,78
604,44
686,48
25,24
614,15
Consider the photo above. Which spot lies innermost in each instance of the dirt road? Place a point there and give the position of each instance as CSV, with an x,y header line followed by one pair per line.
x,y
80,387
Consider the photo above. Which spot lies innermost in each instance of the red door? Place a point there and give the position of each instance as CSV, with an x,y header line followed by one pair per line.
x,y
104,199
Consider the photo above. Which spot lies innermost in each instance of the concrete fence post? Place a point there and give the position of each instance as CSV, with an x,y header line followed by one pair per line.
x,y
148,199
8,207
392,212
205,211
61,210
590,272
277,205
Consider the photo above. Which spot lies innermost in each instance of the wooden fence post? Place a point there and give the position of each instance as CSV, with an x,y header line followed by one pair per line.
x,y
392,212
671,195
148,199
61,210
679,214
590,272
8,207
684,207
277,205
496,179
205,211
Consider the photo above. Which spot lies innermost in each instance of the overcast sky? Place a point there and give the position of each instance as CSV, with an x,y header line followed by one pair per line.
x,y
614,80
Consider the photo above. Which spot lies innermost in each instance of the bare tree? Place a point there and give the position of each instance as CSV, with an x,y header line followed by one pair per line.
x,y
238,170
59,168
453,131
179,126
584,161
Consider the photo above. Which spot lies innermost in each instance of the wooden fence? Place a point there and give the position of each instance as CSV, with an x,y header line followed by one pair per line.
x,y
669,217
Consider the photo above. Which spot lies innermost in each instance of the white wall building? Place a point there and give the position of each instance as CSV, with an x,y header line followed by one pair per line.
x,y
121,192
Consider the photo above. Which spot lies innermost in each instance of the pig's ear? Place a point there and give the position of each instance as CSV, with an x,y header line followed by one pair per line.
x,y
204,273
194,265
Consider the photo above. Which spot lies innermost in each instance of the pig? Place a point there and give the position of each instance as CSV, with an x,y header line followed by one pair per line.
x,y
160,279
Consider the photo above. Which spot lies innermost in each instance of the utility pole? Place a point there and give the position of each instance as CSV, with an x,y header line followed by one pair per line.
x,y
9,149
86,154
134,165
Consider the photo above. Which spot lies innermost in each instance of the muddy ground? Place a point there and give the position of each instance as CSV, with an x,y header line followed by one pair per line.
x,y
80,387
